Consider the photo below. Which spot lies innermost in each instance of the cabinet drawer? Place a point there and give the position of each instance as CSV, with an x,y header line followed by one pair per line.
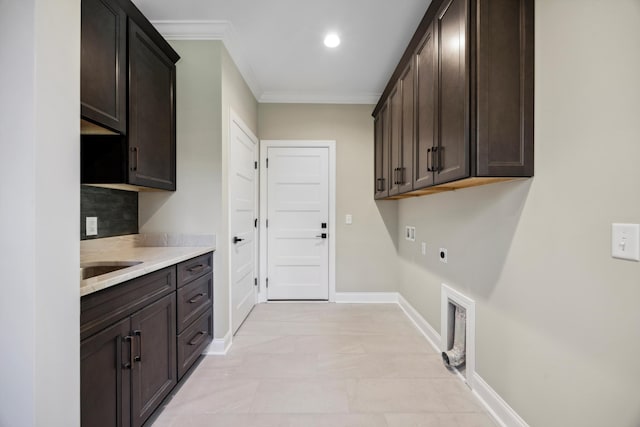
x,y
104,308
193,341
194,268
194,299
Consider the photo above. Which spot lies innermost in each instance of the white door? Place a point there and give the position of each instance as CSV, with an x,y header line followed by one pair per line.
x,y
242,196
298,216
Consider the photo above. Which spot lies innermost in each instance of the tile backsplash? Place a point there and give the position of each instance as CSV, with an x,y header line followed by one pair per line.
x,y
117,211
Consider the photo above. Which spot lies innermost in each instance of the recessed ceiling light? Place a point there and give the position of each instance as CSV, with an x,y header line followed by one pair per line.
x,y
332,40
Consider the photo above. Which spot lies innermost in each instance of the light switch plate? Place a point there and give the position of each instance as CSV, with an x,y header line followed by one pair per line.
x,y
92,226
424,248
625,241
348,219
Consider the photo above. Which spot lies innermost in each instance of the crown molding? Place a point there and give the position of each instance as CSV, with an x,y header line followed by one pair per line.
x,y
193,30
225,32
318,98
213,30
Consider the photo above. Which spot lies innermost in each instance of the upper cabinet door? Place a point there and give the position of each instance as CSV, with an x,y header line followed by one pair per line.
x,y
152,134
405,173
382,154
452,150
505,88
103,83
395,138
426,109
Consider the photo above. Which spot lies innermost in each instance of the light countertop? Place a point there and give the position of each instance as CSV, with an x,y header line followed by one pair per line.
x,y
128,249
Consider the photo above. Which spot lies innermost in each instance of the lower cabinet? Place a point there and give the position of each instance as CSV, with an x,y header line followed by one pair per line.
x,y
105,377
154,362
138,340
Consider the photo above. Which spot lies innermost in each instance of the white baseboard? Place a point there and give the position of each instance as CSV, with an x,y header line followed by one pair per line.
x,y
423,326
219,346
367,297
499,410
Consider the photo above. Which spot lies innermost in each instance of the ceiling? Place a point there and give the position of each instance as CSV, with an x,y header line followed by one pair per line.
x,y
278,44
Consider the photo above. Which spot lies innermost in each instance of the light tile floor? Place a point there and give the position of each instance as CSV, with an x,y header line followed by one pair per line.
x,y
317,365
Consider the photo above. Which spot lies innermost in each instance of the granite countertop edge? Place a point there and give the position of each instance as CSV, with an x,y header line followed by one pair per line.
x,y
151,258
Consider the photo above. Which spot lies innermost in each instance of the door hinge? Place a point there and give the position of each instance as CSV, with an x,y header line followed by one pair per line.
x,y
267,282
255,281
255,223
267,223
255,165
267,162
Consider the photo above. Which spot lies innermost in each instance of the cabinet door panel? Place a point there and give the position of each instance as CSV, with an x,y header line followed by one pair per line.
x,y
427,109
452,156
103,69
154,368
395,138
505,88
405,173
104,380
151,105
382,154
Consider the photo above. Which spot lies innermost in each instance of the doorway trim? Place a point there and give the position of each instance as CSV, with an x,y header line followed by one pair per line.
x,y
264,146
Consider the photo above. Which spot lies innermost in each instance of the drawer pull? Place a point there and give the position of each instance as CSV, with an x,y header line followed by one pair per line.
x,y
129,364
138,334
197,298
196,269
198,339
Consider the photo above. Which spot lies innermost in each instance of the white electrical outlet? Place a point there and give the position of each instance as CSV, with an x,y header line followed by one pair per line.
x,y
92,226
442,254
348,219
410,233
424,248
625,241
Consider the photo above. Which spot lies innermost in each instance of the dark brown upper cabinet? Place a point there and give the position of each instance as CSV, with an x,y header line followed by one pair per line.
x,y
382,153
141,153
103,73
152,133
402,132
473,95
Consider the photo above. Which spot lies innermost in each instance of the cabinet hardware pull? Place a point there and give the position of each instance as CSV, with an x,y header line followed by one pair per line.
x,y
439,157
322,236
197,298
198,338
434,166
429,155
138,334
135,158
196,269
128,339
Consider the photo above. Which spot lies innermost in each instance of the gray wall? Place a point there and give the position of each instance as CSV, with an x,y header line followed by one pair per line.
x,y
557,317
39,198
365,250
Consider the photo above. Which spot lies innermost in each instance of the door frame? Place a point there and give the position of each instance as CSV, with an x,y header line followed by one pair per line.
x,y
235,118
264,146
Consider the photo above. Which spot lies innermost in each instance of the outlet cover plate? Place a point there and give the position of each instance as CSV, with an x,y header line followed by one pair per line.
x,y
92,226
442,254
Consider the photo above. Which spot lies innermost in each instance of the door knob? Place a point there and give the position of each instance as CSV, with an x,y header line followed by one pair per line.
x,y
237,239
